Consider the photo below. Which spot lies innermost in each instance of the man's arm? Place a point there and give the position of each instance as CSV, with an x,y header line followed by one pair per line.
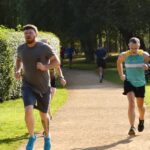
x,y
120,61
146,57
59,71
106,55
61,76
54,63
147,60
18,68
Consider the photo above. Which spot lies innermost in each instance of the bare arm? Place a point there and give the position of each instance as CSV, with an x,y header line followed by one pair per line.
x,y
147,60
54,62
18,68
146,57
59,71
62,79
120,61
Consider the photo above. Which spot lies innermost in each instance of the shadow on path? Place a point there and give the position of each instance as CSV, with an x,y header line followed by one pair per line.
x,y
10,140
106,147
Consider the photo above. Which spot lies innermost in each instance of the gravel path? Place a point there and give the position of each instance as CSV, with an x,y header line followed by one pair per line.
x,y
94,118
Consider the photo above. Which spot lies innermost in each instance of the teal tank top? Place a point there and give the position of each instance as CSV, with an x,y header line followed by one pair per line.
x,y
135,73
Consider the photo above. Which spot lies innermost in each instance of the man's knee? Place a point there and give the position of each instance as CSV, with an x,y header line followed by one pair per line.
x,y
44,116
132,104
140,107
28,109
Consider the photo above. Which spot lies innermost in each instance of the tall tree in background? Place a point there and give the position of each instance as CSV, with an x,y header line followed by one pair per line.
x,y
11,12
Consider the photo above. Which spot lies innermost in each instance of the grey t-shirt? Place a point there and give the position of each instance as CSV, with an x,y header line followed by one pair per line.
x,y
41,52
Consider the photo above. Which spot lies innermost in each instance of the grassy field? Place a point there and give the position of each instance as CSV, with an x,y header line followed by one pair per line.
x,y
12,126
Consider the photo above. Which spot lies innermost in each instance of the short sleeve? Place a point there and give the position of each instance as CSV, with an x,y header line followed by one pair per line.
x,y
50,51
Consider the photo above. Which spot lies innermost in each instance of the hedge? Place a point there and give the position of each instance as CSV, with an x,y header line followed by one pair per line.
x,y
9,41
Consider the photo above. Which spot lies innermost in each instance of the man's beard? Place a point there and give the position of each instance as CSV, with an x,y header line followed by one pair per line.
x,y
30,41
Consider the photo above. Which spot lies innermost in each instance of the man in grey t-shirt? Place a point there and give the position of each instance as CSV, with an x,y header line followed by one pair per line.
x,y
36,58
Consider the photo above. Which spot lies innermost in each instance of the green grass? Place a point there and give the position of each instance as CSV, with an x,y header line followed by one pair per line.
x,y
80,64
12,126
111,75
147,97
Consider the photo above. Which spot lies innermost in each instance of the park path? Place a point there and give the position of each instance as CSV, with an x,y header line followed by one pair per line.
x,y
94,118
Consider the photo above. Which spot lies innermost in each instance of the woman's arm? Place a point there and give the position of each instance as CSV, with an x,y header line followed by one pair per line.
x,y
61,76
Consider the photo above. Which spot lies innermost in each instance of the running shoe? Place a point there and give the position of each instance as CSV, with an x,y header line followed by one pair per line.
x,y
47,143
141,125
30,144
132,131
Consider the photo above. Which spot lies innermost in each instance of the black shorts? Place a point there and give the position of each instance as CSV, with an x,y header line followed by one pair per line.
x,y
53,82
101,63
39,101
138,91
70,57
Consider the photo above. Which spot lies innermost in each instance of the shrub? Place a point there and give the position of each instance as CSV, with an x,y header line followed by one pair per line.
x,y
9,41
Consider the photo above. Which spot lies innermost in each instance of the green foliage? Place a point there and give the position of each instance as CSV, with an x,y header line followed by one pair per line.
x,y
53,40
82,20
9,41
19,27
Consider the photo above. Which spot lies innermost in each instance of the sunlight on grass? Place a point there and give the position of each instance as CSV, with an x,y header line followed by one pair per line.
x,y
147,97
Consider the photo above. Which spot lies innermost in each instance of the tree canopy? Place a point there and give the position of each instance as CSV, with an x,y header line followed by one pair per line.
x,y
84,20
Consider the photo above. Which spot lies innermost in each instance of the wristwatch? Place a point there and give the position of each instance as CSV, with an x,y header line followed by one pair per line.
x,y
61,77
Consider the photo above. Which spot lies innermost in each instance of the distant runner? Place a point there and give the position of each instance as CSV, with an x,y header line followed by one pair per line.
x,y
70,52
101,55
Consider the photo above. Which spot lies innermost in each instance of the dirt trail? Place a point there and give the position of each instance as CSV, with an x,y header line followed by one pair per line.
x,y
94,118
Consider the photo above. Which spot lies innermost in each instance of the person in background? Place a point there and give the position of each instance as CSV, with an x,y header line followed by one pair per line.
x,y
53,73
70,52
101,55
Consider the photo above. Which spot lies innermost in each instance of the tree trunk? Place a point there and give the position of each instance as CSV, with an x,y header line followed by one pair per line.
x,y
89,45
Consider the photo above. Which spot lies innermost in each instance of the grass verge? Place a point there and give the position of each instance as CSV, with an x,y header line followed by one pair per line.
x,y
12,126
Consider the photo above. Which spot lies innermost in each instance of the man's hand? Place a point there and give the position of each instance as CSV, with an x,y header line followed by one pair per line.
x,y
123,77
63,81
18,75
42,67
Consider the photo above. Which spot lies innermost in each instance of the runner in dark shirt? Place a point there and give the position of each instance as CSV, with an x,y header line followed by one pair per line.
x,y
101,55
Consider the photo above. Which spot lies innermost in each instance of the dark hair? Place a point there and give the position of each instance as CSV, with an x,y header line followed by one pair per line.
x,y
30,26
134,40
